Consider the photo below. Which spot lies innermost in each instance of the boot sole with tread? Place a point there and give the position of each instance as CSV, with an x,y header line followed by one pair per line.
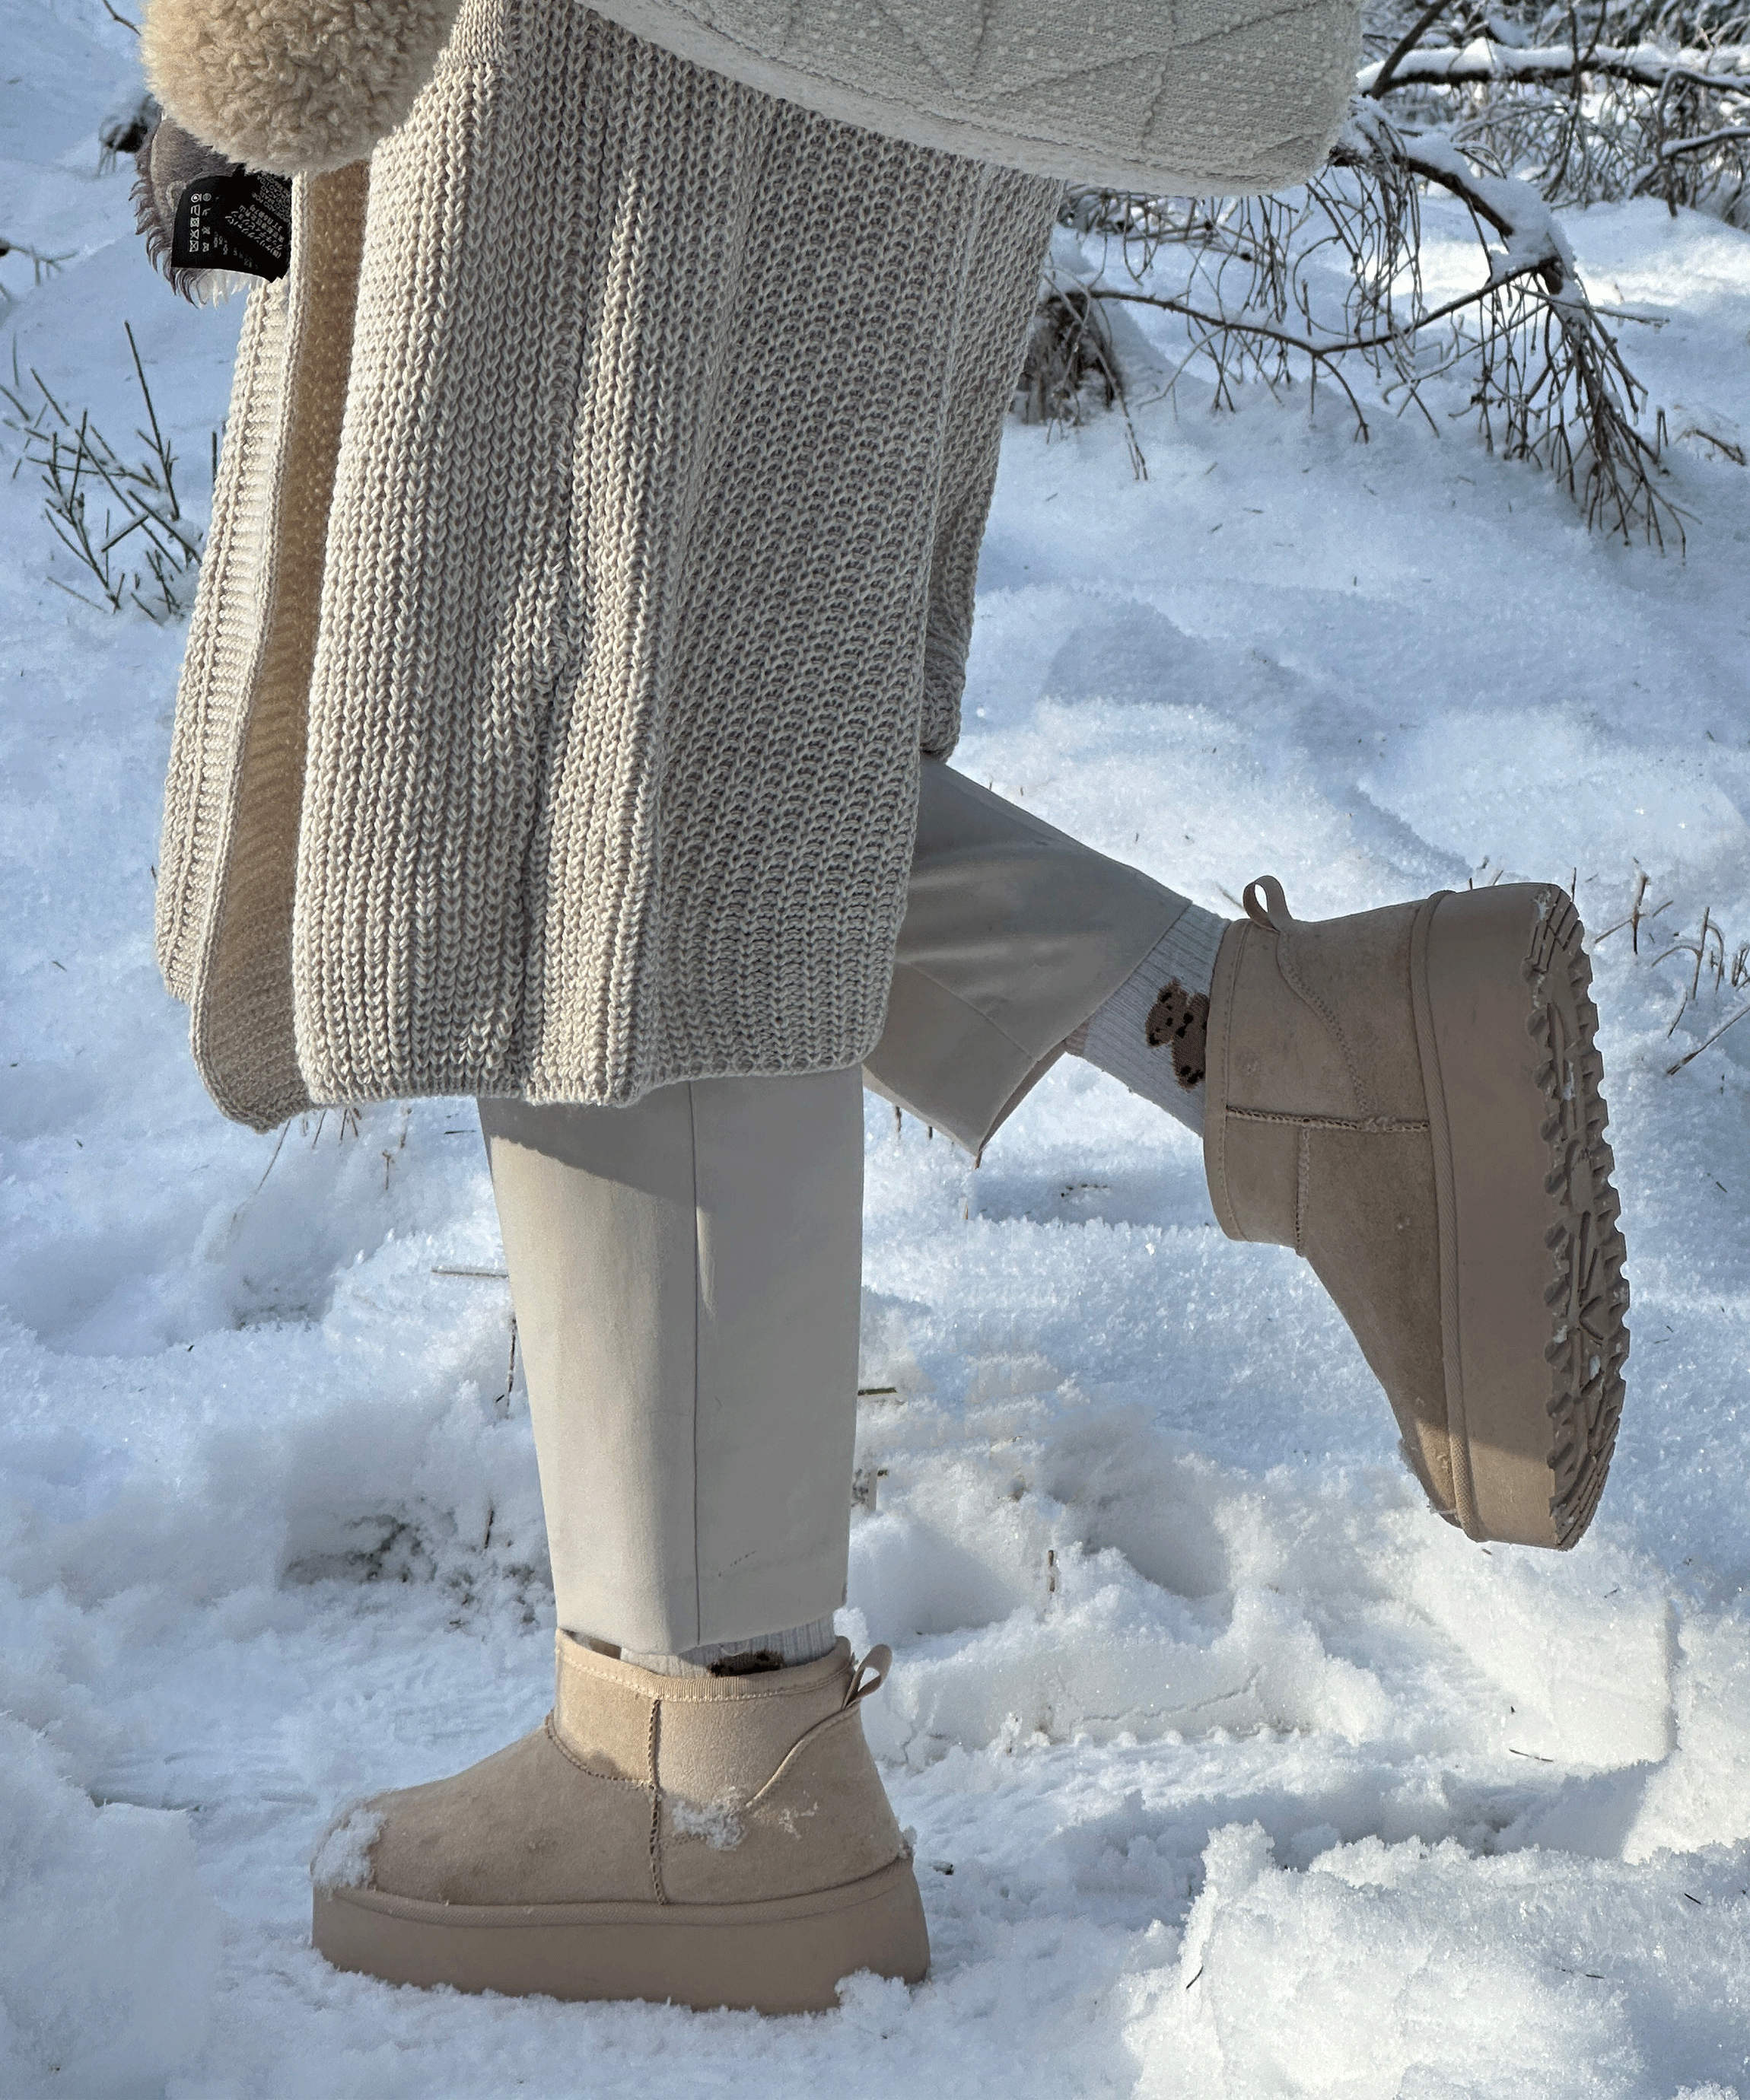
x,y
1533,1296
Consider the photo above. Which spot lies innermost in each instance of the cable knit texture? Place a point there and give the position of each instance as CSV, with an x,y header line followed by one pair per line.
x,y
297,86
581,593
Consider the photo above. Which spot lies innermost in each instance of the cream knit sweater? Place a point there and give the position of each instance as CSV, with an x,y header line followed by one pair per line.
x,y
592,555
594,544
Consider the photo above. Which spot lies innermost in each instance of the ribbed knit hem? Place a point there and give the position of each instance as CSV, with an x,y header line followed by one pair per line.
x,y
794,1645
1150,1034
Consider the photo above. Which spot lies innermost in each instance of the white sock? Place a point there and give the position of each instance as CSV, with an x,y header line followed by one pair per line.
x,y
735,1658
1151,1033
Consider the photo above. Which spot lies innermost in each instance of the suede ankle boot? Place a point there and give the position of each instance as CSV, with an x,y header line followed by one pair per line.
x,y
1410,1099
712,1841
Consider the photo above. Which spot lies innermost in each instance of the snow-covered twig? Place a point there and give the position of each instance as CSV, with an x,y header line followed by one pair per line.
x,y
1487,63
1587,118
42,265
1382,76
1546,378
1730,134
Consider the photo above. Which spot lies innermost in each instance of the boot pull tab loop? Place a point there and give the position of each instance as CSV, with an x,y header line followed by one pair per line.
x,y
869,1675
1273,914
878,1662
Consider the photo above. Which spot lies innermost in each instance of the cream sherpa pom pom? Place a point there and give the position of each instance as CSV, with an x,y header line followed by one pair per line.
x,y
296,87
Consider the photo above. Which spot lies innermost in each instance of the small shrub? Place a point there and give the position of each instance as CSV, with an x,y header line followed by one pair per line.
x,y
145,550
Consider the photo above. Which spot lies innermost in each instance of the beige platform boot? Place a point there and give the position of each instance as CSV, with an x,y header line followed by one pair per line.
x,y
1410,1099
712,1841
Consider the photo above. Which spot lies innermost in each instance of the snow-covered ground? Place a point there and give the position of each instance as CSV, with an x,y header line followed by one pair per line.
x,y
1233,1772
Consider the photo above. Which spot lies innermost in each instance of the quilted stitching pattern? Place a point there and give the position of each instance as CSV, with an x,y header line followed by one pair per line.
x,y
1160,95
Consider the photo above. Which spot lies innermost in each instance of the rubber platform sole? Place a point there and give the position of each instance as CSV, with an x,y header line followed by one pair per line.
x,y
784,1956
1533,1296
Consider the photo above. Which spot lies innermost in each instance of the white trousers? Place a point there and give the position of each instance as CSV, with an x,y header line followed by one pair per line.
x,y
686,1272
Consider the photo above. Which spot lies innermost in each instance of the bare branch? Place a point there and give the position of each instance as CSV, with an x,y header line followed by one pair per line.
x,y
1334,347
1730,134
1671,1070
1384,74
1484,63
73,461
1273,288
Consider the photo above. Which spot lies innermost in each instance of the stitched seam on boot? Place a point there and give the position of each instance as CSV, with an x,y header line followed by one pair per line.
x,y
656,1809
1367,1125
1285,967
810,1735
1302,1177
739,1695
570,1757
1215,1120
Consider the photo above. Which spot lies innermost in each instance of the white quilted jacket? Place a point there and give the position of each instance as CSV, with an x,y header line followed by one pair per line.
x,y
1163,96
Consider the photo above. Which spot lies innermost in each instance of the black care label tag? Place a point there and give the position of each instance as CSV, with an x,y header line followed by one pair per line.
x,y
239,221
